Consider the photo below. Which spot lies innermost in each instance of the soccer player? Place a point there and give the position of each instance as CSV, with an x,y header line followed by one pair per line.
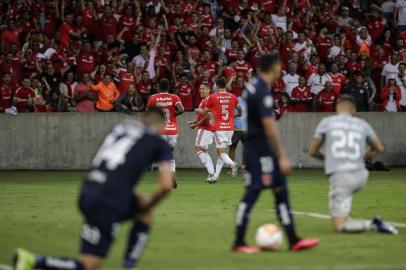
x,y
347,141
107,197
204,138
171,106
265,159
223,104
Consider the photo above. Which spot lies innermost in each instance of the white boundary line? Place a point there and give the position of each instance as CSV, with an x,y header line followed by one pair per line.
x,y
5,267
323,216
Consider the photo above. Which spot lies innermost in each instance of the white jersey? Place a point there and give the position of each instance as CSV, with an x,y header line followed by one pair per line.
x,y
401,4
291,81
345,142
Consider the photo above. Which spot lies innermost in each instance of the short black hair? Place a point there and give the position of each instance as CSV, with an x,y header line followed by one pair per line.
x,y
402,64
347,99
358,73
221,82
268,61
164,85
155,111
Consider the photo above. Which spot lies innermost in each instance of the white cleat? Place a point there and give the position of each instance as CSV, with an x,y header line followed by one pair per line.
x,y
212,180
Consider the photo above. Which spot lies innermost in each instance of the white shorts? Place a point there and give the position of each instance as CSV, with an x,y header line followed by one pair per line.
x,y
204,138
342,186
170,139
223,138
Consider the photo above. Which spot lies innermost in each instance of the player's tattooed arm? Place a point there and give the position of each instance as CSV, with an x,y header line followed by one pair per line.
x,y
314,149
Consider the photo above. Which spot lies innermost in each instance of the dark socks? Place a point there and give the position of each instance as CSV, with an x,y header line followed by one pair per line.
x,y
285,215
243,212
57,263
136,244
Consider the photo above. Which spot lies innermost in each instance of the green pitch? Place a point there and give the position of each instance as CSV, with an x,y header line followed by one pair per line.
x,y
194,227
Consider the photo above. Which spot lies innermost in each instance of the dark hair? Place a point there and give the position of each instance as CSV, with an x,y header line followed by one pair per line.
x,y
347,99
358,73
268,61
155,112
164,85
221,83
402,64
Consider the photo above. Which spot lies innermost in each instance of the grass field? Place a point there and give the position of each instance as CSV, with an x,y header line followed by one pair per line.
x,y
194,227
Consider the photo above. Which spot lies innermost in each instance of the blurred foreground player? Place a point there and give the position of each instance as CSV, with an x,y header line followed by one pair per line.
x,y
347,141
107,197
266,160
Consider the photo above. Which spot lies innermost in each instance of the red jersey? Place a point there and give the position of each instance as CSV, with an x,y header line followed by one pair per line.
x,y
167,103
222,105
144,88
85,63
208,125
310,70
25,94
5,97
327,100
302,97
64,30
323,45
243,68
338,81
126,79
185,94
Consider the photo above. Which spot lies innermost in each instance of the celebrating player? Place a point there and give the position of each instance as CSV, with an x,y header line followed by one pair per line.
x,y
171,105
265,159
347,141
204,137
107,197
222,104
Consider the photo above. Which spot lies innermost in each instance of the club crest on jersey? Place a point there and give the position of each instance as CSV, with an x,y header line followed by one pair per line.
x,y
268,101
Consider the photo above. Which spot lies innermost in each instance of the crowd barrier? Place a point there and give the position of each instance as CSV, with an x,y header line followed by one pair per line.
x,y
68,141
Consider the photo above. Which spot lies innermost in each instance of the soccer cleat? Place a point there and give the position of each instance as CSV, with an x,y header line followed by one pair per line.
x,y
234,169
246,249
23,260
305,244
210,177
383,227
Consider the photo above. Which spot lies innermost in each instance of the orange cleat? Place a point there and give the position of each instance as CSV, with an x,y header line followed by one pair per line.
x,y
305,244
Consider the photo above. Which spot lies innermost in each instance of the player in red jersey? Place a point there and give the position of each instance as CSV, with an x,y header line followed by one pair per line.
x,y
204,137
223,104
171,105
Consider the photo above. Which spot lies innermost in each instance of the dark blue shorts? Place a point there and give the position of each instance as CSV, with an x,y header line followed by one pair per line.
x,y
100,224
262,171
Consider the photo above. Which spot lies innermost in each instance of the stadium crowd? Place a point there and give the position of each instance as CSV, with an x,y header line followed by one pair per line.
x,y
101,55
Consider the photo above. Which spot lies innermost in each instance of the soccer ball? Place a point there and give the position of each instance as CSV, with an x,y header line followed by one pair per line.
x,y
269,236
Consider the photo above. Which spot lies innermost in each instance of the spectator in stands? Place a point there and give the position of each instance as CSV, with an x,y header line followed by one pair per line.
x,y
130,101
83,96
107,94
391,69
24,96
301,97
142,41
391,96
66,88
291,79
401,82
184,90
326,99
400,15
360,90
6,92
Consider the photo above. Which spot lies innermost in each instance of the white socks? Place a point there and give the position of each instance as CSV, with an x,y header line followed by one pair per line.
x,y
219,166
206,161
227,160
353,226
173,165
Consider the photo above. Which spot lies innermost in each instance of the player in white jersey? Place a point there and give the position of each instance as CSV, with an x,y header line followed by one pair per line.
x,y
347,142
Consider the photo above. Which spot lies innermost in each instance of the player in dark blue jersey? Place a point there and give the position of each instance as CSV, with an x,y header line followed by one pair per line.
x,y
107,196
266,160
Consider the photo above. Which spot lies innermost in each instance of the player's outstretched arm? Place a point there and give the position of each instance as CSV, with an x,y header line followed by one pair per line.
x,y
275,143
376,147
314,149
164,186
